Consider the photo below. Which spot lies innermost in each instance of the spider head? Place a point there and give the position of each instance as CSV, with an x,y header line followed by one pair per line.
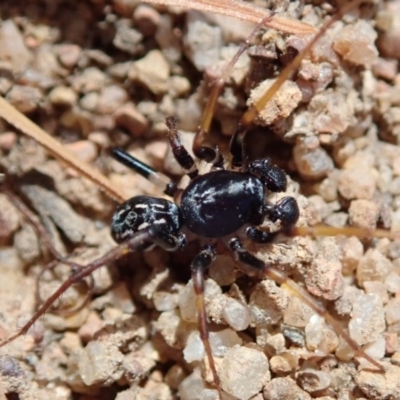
x,y
140,212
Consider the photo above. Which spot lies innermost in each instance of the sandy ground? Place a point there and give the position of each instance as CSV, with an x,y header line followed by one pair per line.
x,y
98,74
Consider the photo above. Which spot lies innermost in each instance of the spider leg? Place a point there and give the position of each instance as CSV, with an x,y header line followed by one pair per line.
x,y
199,265
146,171
268,271
42,233
181,155
134,243
236,148
286,210
259,236
206,153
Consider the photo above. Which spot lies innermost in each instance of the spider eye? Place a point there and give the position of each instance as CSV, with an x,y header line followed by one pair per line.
x,y
131,217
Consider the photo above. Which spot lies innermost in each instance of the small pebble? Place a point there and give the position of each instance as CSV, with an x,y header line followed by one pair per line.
x,y
244,372
85,150
325,277
128,117
351,251
236,314
127,38
378,288
367,319
312,380
152,71
284,363
27,243
364,214
373,266
297,313
280,106
391,342
375,349
267,302
388,21
202,41
284,388
380,386
9,218
312,164
222,270
356,183
25,99
91,79
192,386
63,96
187,299
111,99
12,46
319,336
392,311
146,19
355,43
392,282
68,54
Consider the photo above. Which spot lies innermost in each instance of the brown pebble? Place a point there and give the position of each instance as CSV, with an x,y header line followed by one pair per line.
x,y
85,150
152,71
68,54
380,386
364,214
7,140
312,164
63,96
388,21
9,218
12,46
24,98
385,69
244,372
312,380
146,19
92,325
131,119
100,363
284,388
111,99
280,106
373,266
355,43
356,183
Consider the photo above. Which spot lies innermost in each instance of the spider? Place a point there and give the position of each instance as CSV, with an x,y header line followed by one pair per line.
x,y
213,207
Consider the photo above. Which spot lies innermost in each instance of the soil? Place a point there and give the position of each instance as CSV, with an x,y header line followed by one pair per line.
x,y
99,74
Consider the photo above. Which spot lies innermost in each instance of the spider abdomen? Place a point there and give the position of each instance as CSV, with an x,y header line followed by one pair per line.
x,y
221,202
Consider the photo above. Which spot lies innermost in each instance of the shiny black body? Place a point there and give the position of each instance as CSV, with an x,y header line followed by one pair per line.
x,y
219,203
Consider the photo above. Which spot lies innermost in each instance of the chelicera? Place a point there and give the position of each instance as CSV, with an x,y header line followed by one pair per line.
x,y
213,207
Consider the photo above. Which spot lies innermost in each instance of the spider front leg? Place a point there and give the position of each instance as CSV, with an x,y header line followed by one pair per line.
x,y
144,170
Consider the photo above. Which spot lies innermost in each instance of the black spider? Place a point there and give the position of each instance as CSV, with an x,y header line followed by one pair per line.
x,y
213,206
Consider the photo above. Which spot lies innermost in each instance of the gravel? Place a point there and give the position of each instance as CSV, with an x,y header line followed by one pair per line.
x,y
100,74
